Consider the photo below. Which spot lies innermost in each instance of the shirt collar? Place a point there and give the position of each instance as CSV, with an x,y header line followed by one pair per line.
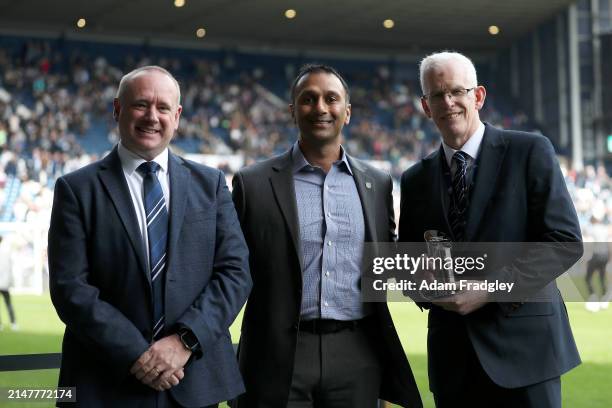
x,y
130,161
300,162
470,147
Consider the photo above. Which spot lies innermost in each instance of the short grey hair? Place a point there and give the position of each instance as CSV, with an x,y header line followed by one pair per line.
x,y
130,75
438,59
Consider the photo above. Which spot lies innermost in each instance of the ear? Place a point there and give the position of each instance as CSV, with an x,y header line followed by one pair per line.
x,y
425,107
177,116
116,109
481,93
348,114
292,112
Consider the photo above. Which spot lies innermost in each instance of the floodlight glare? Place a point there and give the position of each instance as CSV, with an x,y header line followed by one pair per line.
x,y
388,23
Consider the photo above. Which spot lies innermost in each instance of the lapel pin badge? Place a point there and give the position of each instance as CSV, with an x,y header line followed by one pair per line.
x,y
368,184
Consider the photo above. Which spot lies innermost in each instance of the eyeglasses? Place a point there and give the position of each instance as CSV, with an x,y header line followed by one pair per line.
x,y
454,94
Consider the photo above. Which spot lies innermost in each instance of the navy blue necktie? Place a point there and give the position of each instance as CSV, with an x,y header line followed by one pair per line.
x,y
457,216
157,232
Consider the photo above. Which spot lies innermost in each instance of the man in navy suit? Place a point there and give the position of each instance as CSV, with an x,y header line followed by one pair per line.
x,y
490,185
148,265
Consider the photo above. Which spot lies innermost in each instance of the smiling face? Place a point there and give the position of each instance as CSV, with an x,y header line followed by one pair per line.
x,y
456,117
148,113
320,108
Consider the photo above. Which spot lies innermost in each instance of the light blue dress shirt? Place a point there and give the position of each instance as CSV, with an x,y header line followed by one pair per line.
x,y
332,233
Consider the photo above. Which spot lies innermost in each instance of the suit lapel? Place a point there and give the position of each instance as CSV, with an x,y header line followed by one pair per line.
x,y
112,177
367,194
180,178
284,191
490,158
442,188
438,199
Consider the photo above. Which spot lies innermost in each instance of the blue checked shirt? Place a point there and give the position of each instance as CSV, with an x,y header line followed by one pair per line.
x,y
332,234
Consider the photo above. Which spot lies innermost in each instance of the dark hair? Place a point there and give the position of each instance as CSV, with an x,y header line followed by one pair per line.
x,y
314,68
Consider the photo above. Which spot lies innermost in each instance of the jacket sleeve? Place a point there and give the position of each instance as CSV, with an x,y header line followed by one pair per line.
x,y
211,314
554,231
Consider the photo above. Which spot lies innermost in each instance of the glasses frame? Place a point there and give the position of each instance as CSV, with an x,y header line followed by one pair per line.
x,y
449,93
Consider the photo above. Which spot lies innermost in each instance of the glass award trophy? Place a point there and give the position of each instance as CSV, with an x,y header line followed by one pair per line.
x,y
438,270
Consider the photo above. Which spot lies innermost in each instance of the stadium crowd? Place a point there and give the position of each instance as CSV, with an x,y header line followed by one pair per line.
x,y
53,102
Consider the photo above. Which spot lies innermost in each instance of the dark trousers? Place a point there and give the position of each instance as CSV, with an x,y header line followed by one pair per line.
x,y
479,391
336,370
596,264
9,306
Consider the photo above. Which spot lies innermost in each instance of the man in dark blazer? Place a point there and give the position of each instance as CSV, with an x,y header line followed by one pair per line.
x,y
307,338
504,186
148,265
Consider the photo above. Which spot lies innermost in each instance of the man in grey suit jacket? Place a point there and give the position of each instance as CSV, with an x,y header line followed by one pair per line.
x,y
307,338
490,185
148,266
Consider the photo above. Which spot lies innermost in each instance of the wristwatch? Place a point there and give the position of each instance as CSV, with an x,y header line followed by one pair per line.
x,y
189,340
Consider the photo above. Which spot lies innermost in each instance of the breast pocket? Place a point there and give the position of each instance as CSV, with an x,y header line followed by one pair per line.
x,y
200,215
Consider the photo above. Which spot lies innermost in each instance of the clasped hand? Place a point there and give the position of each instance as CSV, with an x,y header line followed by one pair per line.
x,y
463,302
161,366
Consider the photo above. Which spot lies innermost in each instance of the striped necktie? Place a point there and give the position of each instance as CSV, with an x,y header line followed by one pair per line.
x,y
157,232
457,216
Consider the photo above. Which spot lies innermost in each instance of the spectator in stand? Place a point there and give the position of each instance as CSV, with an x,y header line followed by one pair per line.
x,y
6,280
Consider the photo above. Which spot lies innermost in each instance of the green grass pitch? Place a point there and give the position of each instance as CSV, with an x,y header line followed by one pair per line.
x,y
586,386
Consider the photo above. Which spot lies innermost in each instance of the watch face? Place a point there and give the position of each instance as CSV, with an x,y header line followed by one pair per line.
x,y
189,339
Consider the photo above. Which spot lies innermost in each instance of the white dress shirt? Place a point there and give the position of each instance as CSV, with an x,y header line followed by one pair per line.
x,y
471,148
